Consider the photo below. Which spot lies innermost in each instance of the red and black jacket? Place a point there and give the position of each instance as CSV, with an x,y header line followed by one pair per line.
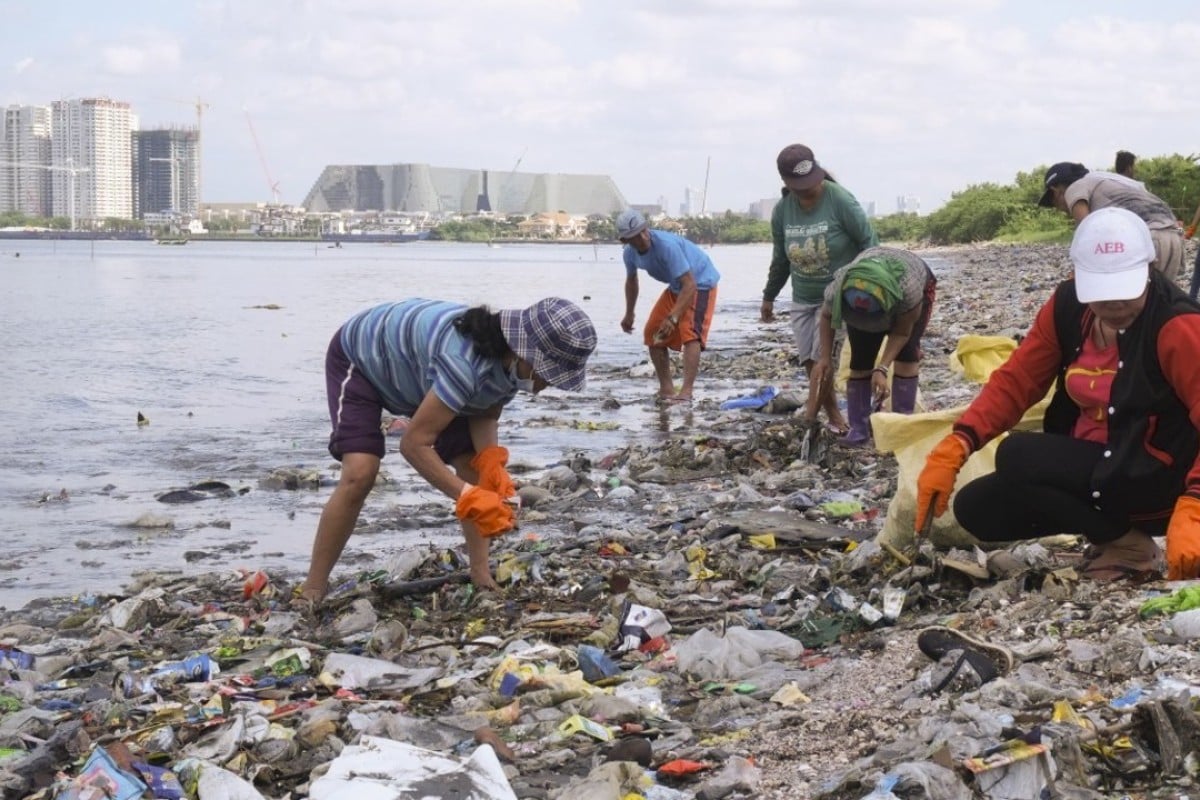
x,y
1154,411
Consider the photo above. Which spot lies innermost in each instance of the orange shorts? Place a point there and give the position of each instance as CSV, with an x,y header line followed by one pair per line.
x,y
693,326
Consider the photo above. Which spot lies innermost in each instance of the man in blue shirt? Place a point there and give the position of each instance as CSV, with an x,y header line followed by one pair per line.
x,y
681,318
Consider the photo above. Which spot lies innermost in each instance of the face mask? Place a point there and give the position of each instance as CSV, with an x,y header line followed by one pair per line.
x,y
523,384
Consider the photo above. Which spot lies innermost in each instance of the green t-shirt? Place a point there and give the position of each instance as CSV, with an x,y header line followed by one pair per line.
x,y
811,245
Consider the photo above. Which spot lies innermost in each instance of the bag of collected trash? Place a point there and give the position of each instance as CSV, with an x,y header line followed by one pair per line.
x,y
912,436
378,767
976,357
714,657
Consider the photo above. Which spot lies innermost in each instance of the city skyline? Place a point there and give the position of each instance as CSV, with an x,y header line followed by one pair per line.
x,y
920,98
51,157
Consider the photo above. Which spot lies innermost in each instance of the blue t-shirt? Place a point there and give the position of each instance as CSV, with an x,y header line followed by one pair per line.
x,y
405,349
669,258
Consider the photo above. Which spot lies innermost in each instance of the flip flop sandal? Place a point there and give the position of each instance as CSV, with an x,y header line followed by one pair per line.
x,y
965,672
938,640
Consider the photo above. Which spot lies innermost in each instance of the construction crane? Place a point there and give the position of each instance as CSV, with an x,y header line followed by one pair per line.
x,y
509,201
200,105
272,184
71,171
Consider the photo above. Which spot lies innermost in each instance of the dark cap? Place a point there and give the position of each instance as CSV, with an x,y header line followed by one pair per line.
x,y
1063,173
799,168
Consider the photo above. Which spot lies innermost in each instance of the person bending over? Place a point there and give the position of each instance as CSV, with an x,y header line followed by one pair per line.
x,y
452,369
884,297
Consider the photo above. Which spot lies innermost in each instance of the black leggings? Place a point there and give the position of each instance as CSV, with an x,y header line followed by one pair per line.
x,y
1041,488
864,345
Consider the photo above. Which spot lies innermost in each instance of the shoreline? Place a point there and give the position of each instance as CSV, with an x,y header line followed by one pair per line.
x,y
669,527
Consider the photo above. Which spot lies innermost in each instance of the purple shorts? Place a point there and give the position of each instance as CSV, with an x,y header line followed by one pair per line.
x,y
356,412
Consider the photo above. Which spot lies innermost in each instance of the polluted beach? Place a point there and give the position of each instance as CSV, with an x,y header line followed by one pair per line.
x,y
701,600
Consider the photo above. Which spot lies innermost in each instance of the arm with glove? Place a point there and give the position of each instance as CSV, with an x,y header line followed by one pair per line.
x,y
1177,344
1183,540
483,511
936,482
491,463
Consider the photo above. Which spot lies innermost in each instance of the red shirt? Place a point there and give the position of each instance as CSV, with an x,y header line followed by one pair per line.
x,y
1089,382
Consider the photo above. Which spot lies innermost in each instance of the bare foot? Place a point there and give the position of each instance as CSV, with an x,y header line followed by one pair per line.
x,y
484,581
838,424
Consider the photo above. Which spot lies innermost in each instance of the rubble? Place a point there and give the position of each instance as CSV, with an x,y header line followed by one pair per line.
x,y
705,615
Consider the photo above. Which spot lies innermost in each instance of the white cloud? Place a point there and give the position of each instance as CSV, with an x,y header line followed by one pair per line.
x,y
140,59
22,65
923,97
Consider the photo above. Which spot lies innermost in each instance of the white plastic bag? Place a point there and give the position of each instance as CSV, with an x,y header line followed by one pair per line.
x,y
381,769
710,656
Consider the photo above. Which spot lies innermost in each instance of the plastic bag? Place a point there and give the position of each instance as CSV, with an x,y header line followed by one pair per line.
x,y
912,436
729,657
378,767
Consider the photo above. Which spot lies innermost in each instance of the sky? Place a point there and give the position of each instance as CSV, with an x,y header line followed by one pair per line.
x,y
895,97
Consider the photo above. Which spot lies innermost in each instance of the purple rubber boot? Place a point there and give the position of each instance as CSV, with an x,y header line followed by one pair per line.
x,y
904,394
858,412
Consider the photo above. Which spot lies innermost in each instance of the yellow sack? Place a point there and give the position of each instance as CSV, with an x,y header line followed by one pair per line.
x,y
912,436
976,357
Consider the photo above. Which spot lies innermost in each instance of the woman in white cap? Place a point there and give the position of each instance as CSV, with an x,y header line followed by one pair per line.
x,y
1118,461
452,369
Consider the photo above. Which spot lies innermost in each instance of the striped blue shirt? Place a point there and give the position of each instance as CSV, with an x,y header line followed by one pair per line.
x,y
406,349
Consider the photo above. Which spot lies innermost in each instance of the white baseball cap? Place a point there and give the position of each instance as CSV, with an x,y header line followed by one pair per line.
x,y
1111,251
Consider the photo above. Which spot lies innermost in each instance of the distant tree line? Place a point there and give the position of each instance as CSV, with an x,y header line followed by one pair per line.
x,y
980,213
988,211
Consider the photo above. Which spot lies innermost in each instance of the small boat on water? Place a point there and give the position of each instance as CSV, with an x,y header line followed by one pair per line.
x,y
173,240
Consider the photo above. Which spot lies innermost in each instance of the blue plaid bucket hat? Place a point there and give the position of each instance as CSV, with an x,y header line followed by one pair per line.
x,y
555,336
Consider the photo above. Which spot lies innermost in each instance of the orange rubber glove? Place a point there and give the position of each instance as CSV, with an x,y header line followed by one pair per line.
x,y
938,476
490,463
486,509
1189,231
1183,540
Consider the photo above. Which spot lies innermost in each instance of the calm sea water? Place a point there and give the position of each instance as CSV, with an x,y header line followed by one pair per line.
x,y
95,333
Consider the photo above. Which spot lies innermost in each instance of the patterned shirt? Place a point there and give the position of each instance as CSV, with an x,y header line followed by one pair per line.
x,y
406,349
912,290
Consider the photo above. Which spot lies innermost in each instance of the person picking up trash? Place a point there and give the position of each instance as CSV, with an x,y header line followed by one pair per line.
x,y
452,369
681,318
884,297
1118,459
1072,189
